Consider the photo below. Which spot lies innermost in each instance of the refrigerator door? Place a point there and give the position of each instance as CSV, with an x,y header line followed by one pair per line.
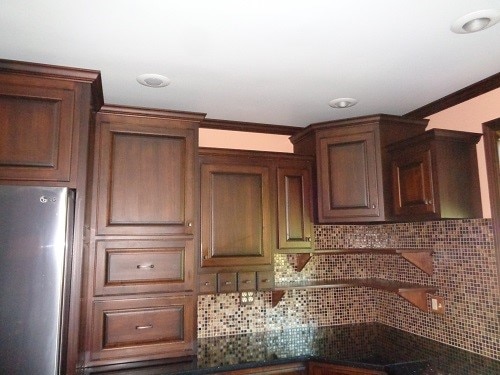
x,y
33,245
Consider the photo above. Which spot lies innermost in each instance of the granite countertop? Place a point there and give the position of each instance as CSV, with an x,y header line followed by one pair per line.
x,y
369,345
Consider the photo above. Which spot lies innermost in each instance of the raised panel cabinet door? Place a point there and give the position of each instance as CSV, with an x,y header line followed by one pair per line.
x,y
283,369
294,209
347,177
36,132
412,183
144,266
128,330
235,215
145,179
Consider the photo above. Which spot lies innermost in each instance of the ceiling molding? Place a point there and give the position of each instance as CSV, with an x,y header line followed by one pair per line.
x,y
460,96
249,127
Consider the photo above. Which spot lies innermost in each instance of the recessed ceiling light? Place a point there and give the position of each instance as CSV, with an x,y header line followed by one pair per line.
x,y
476,21
153,80
342,102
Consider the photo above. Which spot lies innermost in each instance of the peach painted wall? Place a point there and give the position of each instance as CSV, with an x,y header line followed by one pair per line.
x,y
469,116
244,140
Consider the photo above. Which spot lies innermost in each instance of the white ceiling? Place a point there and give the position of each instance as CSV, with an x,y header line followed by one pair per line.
x,y
268,61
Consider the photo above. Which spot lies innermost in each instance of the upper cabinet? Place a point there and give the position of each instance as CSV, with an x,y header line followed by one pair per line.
x,y
44,121
146,172
435,176
353,166
253,203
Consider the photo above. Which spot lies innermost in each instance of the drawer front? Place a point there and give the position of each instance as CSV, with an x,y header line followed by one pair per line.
x,y
226,282
144,266
265,280
140,328
246,281
207,283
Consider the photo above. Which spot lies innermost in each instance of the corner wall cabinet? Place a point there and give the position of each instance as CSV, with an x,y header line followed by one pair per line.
x,y
435,176
140,301
353,167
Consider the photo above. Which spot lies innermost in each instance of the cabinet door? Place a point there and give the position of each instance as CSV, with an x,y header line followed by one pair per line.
x,y
36,131
145,179
129,330
412,184
294,209
131,266
284,369
347,177
235,215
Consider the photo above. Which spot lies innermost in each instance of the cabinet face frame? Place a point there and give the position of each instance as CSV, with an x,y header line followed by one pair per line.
x,y
294,208
328,209
57,123
107,133
209,256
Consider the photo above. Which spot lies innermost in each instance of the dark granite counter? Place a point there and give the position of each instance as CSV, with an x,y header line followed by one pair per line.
x,y
370,345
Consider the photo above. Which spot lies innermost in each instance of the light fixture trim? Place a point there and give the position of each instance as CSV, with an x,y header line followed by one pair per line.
x,y
476,21
153,80
342,103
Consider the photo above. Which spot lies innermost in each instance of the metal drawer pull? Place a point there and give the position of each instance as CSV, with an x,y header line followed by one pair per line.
x,y
140,266
144,327
227,283
246,281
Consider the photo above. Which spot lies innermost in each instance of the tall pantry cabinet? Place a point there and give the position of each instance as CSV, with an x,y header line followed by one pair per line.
x,y
47,116
140,298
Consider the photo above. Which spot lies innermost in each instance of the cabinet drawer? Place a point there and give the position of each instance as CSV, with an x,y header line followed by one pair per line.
x,y
265,280
246,281
226,282
208,283
143,327
144,266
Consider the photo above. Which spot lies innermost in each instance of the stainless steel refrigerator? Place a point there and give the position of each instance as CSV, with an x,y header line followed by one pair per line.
x,y
36,224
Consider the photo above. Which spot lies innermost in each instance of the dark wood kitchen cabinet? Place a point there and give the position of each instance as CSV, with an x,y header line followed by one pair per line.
x,y
236,213
146,173
435,176
251,203
140,295
47,117
295,222
353,167
45,122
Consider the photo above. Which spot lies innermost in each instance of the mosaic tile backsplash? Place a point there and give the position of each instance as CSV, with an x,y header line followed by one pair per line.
x,y
464,272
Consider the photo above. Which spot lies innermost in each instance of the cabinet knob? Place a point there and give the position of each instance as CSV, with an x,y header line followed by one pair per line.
x,y
207,283
227,283
428,201
189,224
265,281
374,206
145,266
246,281
308,239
